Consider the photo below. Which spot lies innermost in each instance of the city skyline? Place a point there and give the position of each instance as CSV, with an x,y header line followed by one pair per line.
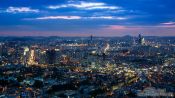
x,y
92,67
87,17
87,48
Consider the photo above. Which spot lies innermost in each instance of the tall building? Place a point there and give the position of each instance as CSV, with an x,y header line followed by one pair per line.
x,y
42,57
0,49
25,55
32,59
91,37
51,56
3,50
90,41
141,40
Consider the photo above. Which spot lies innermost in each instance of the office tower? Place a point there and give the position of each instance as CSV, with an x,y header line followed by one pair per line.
x,y
90,42
3,50
25,55
42,57
51,56
91,37
141,40
32,58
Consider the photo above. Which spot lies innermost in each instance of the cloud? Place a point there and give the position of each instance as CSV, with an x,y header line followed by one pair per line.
x,y
86,6
122,27
76,17
59,17
166,26
107,17
168,23
116,27
21,10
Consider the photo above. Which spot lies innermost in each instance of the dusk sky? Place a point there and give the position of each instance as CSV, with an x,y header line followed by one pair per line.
x,y
86,17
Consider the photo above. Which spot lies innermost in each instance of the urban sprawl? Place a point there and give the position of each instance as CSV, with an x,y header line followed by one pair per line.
x,y
87,67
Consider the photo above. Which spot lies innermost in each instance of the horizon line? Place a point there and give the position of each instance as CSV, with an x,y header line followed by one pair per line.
x,y
90,36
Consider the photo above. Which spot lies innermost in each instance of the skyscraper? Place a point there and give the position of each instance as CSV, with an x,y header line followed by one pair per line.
x,y
141,40
25,54
91,37
51,56
32,58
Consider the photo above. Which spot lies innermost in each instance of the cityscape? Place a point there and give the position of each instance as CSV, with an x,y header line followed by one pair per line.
x,y
86,67
87,48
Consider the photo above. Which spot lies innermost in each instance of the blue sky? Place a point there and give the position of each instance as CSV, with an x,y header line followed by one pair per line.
x,y
86,17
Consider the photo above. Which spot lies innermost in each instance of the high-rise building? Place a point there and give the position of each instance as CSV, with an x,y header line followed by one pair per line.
x,y
32,58
91,37
3,50
25,55
51,56
141,40
0,49
90,40
42,57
